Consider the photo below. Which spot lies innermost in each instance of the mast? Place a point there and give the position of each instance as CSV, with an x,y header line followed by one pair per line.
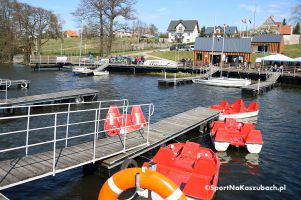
x,y
212,49
81,43
224,36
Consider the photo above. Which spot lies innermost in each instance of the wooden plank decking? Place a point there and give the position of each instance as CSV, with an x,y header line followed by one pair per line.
x,y
20,170
166,130
48,97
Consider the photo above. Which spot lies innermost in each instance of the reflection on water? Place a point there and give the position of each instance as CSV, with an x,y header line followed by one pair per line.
x,y
279,121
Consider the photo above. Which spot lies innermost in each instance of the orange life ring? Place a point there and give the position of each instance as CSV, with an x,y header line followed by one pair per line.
x,y
148,179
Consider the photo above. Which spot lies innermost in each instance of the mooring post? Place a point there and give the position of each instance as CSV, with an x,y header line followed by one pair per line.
x,y
175,79
258,86
165,75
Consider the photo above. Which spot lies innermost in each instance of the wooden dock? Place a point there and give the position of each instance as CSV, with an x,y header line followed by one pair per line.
x,y
166,130
262,87
76,95
176,81
10,83
186,80
110,150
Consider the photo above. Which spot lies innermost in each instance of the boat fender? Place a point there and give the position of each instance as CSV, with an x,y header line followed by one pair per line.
x,y
24,85
129,163
79,99
148,179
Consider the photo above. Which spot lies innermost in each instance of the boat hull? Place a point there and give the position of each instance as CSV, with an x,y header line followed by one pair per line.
x,y
254,148
239,115
223,82
100,73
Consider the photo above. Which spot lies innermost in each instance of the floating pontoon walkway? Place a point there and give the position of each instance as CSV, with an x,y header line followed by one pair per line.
x,y
9,83
24,169
79,95
262,87
166,130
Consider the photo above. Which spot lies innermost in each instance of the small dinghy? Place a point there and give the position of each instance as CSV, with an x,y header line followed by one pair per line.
x,y
231,132
117,123
237,110
193,168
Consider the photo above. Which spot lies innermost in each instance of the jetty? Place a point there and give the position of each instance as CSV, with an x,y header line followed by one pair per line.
x,y
204,74
9,83
70,95
262,87
64,154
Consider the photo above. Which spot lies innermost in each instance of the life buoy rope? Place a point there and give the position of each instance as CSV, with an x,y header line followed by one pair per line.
x,y
148,179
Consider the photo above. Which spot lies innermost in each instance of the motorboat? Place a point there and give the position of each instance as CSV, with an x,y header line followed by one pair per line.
x,y
117,123
230,132
223,82
193,168
237,110
100,73
82,70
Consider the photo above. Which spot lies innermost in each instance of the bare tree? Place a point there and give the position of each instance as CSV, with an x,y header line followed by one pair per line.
x,y
296,14
92,11
114,9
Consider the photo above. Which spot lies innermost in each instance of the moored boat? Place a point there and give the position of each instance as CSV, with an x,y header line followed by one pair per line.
x,y
82,70
100,73
223,82
193,168
117,123
237,110
230,132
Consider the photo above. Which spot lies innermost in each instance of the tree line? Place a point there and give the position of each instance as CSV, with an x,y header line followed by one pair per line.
x,y
104,16
25,29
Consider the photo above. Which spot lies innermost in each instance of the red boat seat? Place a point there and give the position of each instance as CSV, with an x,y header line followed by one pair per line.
x,y
190,150
138,118
254,137
164,156
196,187
216,125
253,107
206,167
112,124
246,128
221,106
238,106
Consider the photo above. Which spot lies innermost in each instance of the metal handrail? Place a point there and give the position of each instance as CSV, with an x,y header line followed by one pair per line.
x,y
67,124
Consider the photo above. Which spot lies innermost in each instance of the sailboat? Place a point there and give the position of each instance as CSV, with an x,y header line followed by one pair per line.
x,y
221,81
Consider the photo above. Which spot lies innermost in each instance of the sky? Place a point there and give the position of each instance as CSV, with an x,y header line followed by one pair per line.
x,y
207,12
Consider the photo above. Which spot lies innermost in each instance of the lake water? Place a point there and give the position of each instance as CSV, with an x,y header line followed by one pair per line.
x,y
279,120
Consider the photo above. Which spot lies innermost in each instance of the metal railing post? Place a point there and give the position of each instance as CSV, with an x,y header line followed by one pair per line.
x,y
148,124
27,131
258,86
54,144
98,120
67,126
125,128
95,132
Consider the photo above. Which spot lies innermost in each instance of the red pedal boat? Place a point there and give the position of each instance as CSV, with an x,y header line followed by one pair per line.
x,y
117,123
237,110
231,132
193,168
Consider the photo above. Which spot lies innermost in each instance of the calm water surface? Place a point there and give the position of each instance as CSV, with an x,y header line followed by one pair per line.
x,y
279,120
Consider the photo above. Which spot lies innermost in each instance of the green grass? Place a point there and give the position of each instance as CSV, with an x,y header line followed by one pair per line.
x,y
89,45
173,55
292,51
171,75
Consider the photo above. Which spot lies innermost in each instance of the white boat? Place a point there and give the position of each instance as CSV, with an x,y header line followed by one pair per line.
x,y
242,115
82,70
100,73
223,82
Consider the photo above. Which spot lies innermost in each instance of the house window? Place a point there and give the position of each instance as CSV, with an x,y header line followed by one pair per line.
x,y
263,48
187,40
199,56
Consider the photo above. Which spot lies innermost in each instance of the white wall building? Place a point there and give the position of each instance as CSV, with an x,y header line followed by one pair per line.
x,y
183,31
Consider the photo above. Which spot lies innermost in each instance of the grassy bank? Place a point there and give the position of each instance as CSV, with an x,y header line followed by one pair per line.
x,y
120,46
170,74
292,51
173,55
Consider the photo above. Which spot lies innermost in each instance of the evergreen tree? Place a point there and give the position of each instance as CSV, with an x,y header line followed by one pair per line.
x,y
297,29
202,33
284,22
